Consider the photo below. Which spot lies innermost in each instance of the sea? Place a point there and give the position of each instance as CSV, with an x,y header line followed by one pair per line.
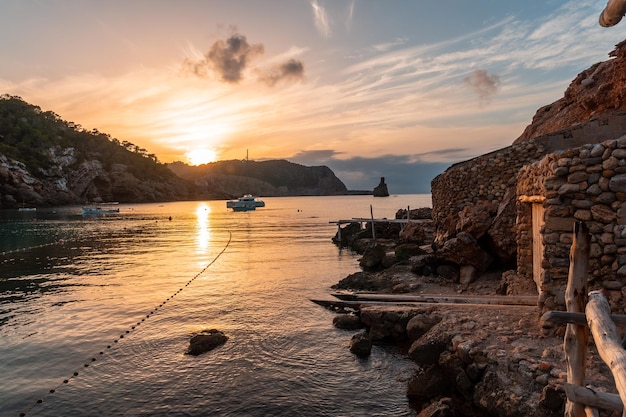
x,y
96,312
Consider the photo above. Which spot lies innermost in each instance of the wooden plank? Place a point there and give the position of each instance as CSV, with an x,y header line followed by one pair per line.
x,y
440,298
607,341
577,336
563,317
589,397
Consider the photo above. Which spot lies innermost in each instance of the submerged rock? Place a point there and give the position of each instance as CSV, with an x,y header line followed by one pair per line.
x,y
206,341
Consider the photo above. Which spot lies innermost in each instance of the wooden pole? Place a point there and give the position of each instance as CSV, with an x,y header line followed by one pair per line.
x,y
576,336
563,317
607,341
439,299
592,398
373,224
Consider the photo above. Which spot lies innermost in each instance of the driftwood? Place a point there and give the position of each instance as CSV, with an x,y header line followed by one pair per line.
x,y
563,317
607,341
584,395
440,299
577,336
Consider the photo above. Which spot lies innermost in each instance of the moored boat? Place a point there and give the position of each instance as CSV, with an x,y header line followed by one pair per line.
x,y
99,210
247,202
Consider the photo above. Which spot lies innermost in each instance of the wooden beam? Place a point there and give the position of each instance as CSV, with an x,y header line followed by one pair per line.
x,y
563,317
577,336
583,395
607,341
440,298
531,198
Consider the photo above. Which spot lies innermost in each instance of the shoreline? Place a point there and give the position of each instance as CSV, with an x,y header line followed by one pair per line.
x,y
473,359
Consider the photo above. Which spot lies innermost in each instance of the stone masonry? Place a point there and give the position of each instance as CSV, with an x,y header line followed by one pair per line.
x,y
585,184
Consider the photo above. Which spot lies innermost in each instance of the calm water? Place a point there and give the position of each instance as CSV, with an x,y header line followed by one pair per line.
x,y
115,300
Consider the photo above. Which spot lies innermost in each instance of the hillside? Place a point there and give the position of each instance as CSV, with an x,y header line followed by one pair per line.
x,y
267,178
598,91
47,161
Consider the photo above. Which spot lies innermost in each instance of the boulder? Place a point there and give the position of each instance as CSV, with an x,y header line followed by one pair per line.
x,y
347,322
465,250
423,264
420,324
206,341
474,220
413,233
361,345
405,251
430,383
373,257
425,351
386,323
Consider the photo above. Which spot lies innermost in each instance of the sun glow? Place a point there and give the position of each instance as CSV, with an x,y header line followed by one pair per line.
x,y
201,156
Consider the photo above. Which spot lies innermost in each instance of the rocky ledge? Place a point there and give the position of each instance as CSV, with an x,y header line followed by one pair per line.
x,y
473,359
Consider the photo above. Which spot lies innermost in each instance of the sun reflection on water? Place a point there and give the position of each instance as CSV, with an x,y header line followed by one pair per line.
x,y
203,226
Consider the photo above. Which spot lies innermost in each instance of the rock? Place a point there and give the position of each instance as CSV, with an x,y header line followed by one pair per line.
x,y
206,341
467,275
361,345
381,189
405,251
347,322
373,257
386,323
426,350
441,408
420,324
413,233
428,384
423,264
425,213
465,250
348,234
474,220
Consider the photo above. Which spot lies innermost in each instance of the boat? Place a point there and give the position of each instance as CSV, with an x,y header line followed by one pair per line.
x,y
247,202
27,209
87,211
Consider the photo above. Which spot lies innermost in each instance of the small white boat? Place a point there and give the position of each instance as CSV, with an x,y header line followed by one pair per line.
x,y
247,202
27,209
99,210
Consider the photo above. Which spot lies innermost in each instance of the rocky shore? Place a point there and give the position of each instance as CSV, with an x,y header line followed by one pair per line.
x,y
473,359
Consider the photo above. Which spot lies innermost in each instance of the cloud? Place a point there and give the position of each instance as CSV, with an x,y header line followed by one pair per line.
x,y
228,59
322,23
483,84
292,70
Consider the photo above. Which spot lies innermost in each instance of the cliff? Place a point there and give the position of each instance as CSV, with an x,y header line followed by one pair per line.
x,y
599,91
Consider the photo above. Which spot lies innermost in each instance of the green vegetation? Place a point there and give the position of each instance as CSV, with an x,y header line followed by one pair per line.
x,y
28,134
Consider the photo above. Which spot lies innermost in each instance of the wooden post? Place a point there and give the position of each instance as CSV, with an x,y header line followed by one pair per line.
x,y
607,340
576,336
373,223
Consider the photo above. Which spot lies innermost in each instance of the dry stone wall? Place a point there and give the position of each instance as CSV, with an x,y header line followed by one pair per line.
x,y
585,184
487,177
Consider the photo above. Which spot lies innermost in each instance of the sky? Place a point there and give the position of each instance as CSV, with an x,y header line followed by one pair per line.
x,y
370,88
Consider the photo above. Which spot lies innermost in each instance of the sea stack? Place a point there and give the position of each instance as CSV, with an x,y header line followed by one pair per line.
x,y
381,189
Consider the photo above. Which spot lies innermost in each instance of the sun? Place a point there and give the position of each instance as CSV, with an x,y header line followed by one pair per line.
x,y
201,156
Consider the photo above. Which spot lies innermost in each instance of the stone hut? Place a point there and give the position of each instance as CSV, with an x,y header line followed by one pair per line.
x,y
586,184
514,208
492,197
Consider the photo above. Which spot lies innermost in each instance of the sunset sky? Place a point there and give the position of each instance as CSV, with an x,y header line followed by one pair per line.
x,y
370,88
